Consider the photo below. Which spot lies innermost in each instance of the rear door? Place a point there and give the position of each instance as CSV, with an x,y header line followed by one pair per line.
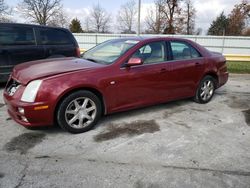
x,y
56,42
17,45
185,69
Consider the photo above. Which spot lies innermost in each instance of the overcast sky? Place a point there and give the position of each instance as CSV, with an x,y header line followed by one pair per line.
x,y
206,10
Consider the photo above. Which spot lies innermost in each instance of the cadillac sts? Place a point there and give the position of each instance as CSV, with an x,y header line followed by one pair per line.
x,y
114,76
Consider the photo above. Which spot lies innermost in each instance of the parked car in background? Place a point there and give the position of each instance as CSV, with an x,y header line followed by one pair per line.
x,y
22,42
117,75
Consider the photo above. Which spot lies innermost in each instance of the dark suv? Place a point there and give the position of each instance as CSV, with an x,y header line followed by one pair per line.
x,y
22,42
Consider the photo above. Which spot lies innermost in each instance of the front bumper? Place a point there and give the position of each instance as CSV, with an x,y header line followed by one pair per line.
x,y
35,118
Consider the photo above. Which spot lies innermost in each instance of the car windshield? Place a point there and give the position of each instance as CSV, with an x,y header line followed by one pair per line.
x,y
109,51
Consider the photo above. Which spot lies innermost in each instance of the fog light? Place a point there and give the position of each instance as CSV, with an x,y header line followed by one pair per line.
x,y
21,110
24,119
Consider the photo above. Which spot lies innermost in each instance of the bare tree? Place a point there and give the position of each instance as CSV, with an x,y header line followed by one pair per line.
x,y
167,15
126,17
41,11
155,20
5,11
87,25
172,12
100,19
61,19
189,17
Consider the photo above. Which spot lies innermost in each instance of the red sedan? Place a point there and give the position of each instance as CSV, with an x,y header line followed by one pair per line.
x,y
116,75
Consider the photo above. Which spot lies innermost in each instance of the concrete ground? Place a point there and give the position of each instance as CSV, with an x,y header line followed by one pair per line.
x,y
178,144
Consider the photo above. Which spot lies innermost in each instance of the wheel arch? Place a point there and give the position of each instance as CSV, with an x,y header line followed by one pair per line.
x,y
215,76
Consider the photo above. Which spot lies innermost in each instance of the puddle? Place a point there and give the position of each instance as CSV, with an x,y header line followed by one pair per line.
x,y
239,103
247,116
24,142
129,129
1,175
1,105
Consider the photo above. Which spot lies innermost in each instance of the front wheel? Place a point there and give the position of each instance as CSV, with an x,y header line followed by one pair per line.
x,y
79,111
205,90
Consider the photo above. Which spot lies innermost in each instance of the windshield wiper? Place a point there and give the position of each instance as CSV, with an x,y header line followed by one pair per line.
x,y
93,60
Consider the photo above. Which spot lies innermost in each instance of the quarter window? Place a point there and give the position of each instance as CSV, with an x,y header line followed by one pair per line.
x,y
54,37
154,52
182,50
16,36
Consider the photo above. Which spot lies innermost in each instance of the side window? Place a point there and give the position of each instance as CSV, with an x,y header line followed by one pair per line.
x,y
54,36
182,50
16,36
154,52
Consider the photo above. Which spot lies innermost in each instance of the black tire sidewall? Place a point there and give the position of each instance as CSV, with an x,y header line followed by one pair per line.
x,y
60,116
198,92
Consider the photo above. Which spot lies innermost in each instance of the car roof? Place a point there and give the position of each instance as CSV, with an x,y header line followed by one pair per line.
x,y
151,38
28,25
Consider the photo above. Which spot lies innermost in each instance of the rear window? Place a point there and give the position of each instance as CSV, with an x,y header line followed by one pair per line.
x,y
54,36
15,35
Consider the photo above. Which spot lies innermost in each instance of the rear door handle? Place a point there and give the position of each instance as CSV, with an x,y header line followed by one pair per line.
x,y
197,64
163,70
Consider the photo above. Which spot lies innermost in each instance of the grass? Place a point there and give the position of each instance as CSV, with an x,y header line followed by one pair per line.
x,y
238,67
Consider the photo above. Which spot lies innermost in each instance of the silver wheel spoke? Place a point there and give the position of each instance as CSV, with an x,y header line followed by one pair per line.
x,y
80,121
89,117
90,109
77,105
71,112
85,103
72,120
203,92
208,84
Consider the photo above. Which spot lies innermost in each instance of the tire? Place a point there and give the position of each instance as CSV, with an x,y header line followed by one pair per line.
x,y
205,90
79,112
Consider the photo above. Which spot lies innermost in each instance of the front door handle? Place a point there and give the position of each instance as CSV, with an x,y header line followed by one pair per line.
x,y
163,70
197,64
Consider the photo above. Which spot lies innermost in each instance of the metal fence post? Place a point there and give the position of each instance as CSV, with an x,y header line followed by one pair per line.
x,y
96,39
223,45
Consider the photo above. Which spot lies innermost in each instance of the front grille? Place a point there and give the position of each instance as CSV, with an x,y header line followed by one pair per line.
x,y
12,86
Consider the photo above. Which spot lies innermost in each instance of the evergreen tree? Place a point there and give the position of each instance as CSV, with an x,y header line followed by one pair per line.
x,y
219,25
75,26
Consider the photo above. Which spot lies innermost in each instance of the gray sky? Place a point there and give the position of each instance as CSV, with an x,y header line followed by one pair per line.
x,y
206,10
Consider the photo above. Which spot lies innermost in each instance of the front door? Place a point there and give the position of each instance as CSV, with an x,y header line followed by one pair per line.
x,y
143,84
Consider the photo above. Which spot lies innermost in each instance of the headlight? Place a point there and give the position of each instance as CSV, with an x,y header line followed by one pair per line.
x,y
30,92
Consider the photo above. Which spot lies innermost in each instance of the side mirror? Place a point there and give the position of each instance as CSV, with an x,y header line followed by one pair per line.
x,y
134,61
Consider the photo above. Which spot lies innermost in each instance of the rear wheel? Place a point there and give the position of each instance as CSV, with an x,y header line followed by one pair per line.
x,y
205,90
79,111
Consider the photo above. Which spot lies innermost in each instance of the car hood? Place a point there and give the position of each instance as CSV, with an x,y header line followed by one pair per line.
x,y
33,70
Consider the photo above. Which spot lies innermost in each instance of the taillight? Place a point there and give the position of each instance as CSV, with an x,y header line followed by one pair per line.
x,y
78,52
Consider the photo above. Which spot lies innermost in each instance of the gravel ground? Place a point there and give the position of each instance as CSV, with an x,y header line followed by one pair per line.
x,y
177,144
